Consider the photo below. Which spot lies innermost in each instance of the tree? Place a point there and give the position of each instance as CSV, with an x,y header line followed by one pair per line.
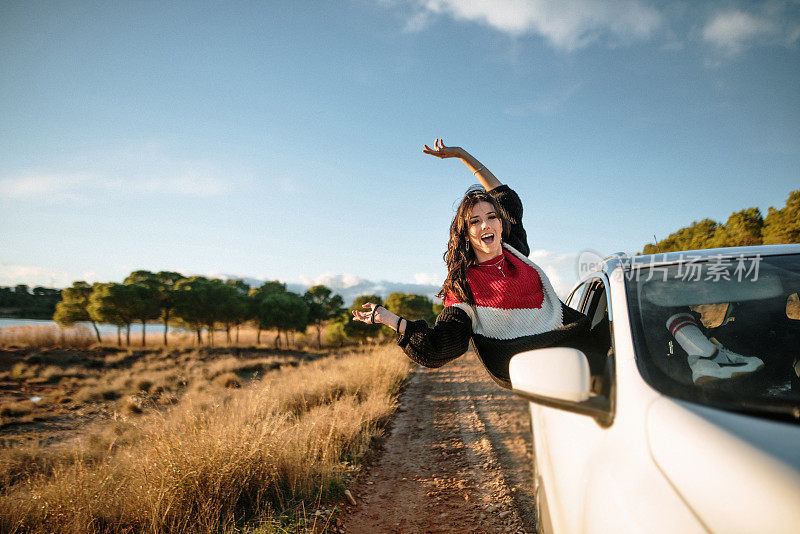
x,y
21,301
783,225
358,330
742,229
335,335
165,296
322,306
295,318
191,298
411,307
234,306
146,286
695,236
73,307
283,311
218,296
273,286
114,304
258,309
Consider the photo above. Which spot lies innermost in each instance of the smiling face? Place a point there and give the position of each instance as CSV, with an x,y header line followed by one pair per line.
x,y
485,231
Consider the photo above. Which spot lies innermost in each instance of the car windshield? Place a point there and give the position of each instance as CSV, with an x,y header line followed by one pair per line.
x,y
721,330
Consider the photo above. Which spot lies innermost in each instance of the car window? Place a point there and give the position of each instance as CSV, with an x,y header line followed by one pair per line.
x,y
722,333
575,299
598,346
595,302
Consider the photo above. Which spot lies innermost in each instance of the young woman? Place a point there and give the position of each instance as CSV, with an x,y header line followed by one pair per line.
x,y
493,294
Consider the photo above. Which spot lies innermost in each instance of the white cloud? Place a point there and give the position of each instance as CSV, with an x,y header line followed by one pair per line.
x,y
561,269
565,25
428,279
12,275
731,31
142,170
350,286
334,281
40,185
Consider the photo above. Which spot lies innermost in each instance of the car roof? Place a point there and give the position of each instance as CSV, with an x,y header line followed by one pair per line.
x,y
620,260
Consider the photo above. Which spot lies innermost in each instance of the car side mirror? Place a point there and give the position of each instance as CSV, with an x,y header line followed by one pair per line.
x,y
558,377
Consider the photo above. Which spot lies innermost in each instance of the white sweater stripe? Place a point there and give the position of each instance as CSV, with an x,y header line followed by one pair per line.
x,y
504,324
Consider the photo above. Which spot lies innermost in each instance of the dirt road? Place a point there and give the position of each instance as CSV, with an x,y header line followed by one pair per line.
x,y
457,460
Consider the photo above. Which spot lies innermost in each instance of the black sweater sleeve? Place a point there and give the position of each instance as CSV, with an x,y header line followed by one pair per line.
x,y
446,341
511,206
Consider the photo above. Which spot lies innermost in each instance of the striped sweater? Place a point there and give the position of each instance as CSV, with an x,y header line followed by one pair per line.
x,y
515,309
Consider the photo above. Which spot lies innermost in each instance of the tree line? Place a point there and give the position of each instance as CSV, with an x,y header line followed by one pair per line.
x,y
24,302
206,306
743,228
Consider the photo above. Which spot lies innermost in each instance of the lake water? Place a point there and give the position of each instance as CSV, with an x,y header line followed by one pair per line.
x,y
152,328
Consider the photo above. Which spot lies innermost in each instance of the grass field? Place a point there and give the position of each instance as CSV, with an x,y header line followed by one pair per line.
x,y
187,440
83,337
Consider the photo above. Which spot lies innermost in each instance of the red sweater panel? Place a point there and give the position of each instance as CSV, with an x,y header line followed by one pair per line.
x,y
517,286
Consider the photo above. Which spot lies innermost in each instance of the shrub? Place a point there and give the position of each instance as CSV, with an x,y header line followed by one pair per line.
x,y
15,409
228,380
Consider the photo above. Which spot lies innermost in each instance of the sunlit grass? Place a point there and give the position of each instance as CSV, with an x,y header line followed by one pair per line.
x,y
46,336
263,455
83,337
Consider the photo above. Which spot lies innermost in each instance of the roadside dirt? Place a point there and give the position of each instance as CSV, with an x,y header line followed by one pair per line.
x,y
458,459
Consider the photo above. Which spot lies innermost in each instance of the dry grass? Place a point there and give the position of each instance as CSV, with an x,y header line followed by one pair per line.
x,y
103,379
45,336
220,460
83,337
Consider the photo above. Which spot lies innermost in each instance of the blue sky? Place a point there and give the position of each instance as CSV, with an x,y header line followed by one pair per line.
x,y
282,140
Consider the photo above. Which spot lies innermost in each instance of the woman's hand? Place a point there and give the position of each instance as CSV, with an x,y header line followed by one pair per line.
x,y
377,314
441,151
370,317
487,179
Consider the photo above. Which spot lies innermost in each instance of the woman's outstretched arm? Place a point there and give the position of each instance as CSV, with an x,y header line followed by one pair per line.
x,y
380,315
488,180
431,347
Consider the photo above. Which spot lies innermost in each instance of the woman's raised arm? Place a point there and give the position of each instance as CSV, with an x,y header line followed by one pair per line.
x,y
488,180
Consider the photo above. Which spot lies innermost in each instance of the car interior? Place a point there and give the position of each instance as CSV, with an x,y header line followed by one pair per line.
x,y
598,345
767,328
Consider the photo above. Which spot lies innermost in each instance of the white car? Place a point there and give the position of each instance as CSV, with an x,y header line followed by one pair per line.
x,y
686,416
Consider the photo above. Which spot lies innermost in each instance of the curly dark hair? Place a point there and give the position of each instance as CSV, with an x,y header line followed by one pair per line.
x,y
459,255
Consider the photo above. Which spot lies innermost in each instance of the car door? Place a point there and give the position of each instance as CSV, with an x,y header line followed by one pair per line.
x,y
567,443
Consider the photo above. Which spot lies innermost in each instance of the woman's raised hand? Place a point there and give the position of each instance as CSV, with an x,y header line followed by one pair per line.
x,y
487,179
441,151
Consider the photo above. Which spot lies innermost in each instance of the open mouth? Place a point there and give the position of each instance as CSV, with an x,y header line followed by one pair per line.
x,y
488,238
